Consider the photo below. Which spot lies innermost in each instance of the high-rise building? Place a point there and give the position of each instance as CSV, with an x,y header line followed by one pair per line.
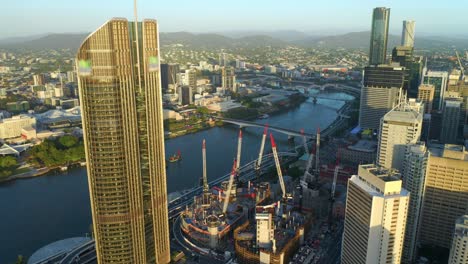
x,y
426,95
414,175
379,36
169,75
398,128
459,249
413,68
439,79
120,92
381,91
450,121
375,218
185,95
223,60
407,35
229,79
445,193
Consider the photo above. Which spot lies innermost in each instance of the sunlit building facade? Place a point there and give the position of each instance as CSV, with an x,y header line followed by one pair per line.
x,y
120,92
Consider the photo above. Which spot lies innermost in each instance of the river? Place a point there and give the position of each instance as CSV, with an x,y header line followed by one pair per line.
x,y
38,211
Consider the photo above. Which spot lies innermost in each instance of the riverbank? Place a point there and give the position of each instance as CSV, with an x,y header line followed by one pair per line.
x,y
36,172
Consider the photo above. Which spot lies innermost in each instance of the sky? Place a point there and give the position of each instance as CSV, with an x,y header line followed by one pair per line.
x,y
317,17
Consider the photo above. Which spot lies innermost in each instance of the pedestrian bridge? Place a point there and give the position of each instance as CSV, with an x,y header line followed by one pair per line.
x,y
243,123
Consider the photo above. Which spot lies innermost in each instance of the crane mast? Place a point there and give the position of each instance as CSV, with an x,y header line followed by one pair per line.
x,y
239,149
317,153
278,167
228,191
205,179
262,147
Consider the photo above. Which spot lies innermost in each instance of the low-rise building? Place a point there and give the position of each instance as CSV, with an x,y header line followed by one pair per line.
x,y
12,127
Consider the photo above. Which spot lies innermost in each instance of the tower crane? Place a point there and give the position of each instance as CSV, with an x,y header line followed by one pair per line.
x,y
239,150
228,191
333,188
278,166
205,179
262,146
307,175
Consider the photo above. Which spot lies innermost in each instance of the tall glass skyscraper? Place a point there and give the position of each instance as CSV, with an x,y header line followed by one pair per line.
x,y
120,92
379,35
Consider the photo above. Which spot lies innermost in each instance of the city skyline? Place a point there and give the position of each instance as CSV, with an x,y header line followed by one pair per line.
x,y
209,17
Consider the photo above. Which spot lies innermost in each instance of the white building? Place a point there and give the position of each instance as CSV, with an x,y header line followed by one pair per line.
x,y
399,127
459,249
265,230
12,127
375,218
407,35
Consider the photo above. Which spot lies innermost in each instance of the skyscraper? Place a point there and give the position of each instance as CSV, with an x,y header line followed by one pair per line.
x,y
445,193
382,90
459,249
414,176
413,68
379,36
375,219
426,95
407,35
120,91
439,79
450,120
399,127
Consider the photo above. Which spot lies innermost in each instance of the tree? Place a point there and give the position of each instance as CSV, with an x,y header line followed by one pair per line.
x,y
68,141
8,162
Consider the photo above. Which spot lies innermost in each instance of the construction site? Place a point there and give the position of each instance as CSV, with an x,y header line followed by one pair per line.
x,y
268,221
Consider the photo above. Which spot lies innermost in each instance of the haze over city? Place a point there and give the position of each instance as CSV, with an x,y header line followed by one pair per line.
x,y
435,18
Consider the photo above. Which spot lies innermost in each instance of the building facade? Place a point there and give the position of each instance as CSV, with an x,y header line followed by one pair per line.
x,y
398,128
12,127
169,75
120,91
439,79
446,193
426,95
381,91
459,249
375,218
414,176
451,112
379,36
229,79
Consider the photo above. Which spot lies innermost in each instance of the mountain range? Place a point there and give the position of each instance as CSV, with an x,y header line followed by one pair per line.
x,y
353,40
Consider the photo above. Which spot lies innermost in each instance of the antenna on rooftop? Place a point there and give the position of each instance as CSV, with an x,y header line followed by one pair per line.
x,y
137,43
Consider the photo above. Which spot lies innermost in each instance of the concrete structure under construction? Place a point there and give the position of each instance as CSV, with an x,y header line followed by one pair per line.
x,y
273,237
204,222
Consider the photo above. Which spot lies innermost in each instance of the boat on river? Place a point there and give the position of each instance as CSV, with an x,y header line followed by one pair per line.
x,y
175,157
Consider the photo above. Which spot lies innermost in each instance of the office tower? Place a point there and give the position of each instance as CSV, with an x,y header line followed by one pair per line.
x,y
382,90
71,76
413,68
459,249
445,195
191,76
426,95
414,175
379,36
185,95
450,121
439,79
169,75
399,127
38,79
407,35
120,92
229,79
375,219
